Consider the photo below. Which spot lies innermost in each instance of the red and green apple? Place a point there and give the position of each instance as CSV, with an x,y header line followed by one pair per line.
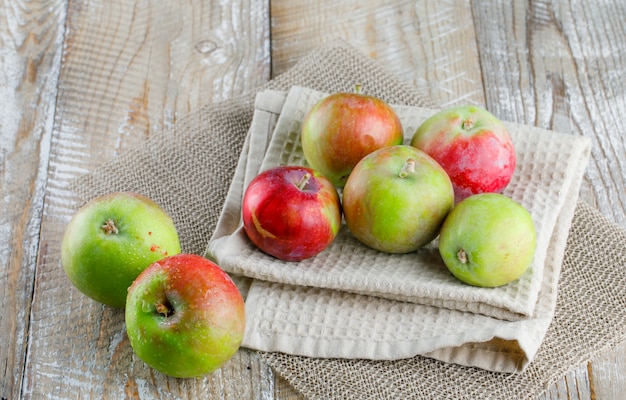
x,y
396,199
184,316
342,128
291,212
472,145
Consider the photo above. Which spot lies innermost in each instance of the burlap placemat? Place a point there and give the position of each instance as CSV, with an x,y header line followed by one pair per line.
x,y
188,170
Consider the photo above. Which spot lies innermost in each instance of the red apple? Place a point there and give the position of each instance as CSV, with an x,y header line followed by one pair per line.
x,y
472,145
111,239
343,128
291,212
184,316
396,199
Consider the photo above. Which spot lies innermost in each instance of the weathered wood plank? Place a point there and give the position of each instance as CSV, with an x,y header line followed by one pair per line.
x,y
606,374
31,35
562,74
430,44
129,70
557,65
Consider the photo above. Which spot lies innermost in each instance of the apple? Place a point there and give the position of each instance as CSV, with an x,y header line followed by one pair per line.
x,y
396,199
342,128
111,239
488,240
184,316
291,212
472,145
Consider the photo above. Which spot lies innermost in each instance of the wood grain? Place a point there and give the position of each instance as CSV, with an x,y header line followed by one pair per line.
x,y
129,70
31,37
82,81
562,75
430,44
555,65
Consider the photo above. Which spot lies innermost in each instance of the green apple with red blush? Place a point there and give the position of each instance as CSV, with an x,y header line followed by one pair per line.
x,y
291,212
344,127
472,145
488,240
396,199
111,239
184,316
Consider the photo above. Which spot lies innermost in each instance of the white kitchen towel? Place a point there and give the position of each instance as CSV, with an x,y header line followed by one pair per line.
x,y
354,302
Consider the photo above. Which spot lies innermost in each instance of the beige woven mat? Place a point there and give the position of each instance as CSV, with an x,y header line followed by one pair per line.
x,y
188,171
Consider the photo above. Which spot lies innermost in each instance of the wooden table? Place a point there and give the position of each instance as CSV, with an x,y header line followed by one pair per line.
x,y
81,81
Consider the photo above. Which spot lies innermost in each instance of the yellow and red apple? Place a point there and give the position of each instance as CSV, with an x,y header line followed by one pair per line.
x,y
342,128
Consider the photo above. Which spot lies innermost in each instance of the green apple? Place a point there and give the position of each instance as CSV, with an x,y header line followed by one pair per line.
x,y
488,240
184,316
111,239
396,199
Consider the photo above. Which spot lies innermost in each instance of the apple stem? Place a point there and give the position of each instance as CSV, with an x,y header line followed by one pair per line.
x,y
164,309
303,182
407,169
462,256
110,228
357,88
468,123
